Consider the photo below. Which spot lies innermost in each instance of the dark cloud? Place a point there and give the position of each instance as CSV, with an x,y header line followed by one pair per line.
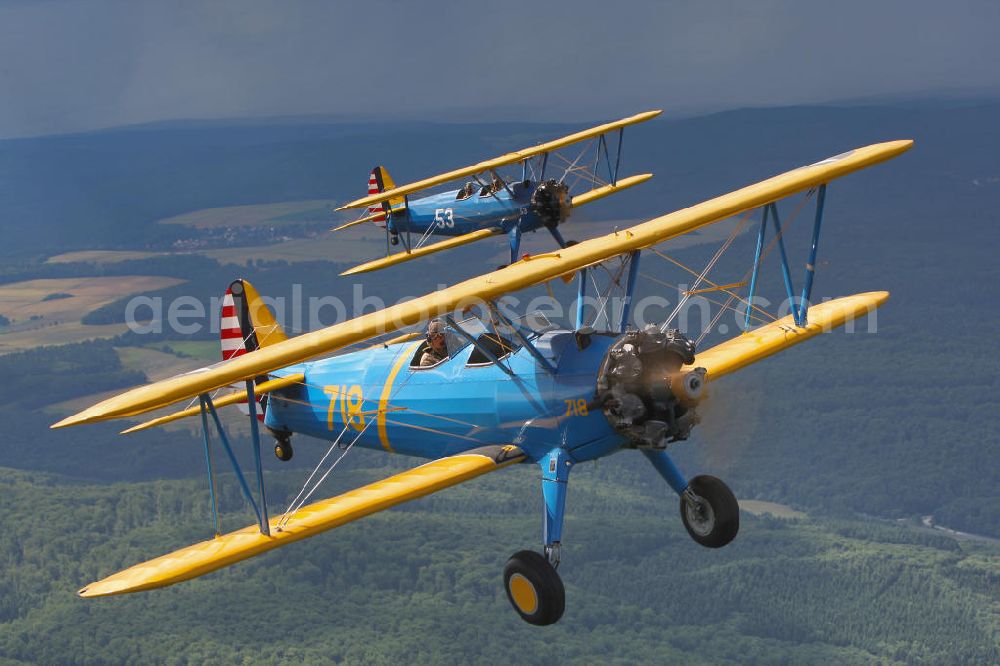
x,y
67,66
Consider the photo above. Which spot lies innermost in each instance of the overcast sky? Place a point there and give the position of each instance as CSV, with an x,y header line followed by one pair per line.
x,y
70,66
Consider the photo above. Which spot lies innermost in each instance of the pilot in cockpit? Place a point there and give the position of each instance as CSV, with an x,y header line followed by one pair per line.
x,y
437,348
466,191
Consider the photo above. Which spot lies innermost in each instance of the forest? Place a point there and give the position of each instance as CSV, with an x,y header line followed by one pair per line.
x,y
422,584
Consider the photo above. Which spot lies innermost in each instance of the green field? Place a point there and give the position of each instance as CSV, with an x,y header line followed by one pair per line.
x,y
760,508
201,350
100,256
37,320
256,215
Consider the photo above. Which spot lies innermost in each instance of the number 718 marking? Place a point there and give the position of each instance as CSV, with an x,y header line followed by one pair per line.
x,y
576,407
350,400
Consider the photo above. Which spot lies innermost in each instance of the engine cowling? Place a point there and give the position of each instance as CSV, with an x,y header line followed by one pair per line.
x,y
646,395
551,202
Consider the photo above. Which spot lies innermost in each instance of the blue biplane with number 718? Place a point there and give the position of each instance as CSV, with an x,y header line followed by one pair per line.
x,y
509,392
491,204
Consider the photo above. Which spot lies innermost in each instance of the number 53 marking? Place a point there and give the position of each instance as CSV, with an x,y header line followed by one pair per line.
x,y
444,217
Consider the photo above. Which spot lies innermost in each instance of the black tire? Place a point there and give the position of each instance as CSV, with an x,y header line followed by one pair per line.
x,y
283,451
716,522
534,588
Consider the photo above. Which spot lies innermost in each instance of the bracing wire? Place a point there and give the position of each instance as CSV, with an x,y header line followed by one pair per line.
x,y
294,508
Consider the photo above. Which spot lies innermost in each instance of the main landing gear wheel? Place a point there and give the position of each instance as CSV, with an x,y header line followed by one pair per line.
x,y
283,450
710,512
534,588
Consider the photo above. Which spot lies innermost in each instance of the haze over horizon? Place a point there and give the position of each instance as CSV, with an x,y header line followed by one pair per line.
x,y
71,67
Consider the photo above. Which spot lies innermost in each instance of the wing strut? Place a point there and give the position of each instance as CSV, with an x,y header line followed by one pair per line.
x,y
208,408
800,308
633,273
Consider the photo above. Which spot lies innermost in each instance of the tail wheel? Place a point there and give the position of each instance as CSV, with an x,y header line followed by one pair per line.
x,y
710,512
283,450
534,588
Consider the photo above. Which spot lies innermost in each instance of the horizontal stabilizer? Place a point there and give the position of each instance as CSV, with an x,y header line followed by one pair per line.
x,y
374,217
601,192
207,556
497,162
401,257
759,343
230,399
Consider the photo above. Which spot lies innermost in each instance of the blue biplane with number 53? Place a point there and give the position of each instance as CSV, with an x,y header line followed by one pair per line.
x,y
510,392
546,187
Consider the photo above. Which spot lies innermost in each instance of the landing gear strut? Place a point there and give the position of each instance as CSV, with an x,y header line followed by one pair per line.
x,y
534,588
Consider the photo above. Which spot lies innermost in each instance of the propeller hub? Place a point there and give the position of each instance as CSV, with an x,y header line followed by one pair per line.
x,y
551,202
646,393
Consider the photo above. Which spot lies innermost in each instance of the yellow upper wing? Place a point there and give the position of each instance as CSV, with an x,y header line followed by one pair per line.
x,y
201,558
777,336
519,275
509,158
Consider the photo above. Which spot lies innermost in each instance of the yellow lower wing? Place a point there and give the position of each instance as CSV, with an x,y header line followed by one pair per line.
x,y
207,556
607,190
779,335
399,258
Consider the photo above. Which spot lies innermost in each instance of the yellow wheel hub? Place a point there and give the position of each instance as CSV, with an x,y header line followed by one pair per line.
x,y
523,593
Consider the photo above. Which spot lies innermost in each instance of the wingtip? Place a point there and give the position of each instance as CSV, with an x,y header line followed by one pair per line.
x,y
895,148
93,591
89,415
76,419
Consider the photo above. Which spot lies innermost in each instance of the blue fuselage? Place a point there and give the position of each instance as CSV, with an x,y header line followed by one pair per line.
x,y
446,214
387,403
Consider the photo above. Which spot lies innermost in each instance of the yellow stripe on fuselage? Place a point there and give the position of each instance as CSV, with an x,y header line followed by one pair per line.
x,y
383,402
